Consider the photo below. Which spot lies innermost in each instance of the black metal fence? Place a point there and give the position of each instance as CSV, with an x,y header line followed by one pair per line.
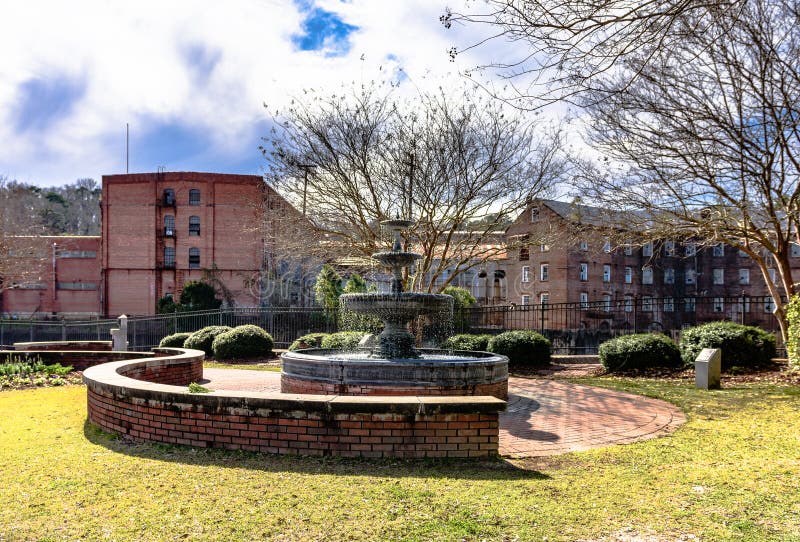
x,y
574,328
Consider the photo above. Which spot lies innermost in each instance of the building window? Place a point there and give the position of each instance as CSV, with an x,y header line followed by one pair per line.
x,y
584,271
526,300
628,249
744,276
647,275
771,273
544,272
606,245
628,303
169,196
584,300
606,273
76,286
691,249
534,215
669,276
794,250
647,250
606,302
719,250
647,303
628,275
524,254
742,253
169,257
718,276
194,258
194,226
76,254
194,196
526,273
669,248
583,245
769,304
544,248
169,225
669,304
544,298
719,304
689,304
691,276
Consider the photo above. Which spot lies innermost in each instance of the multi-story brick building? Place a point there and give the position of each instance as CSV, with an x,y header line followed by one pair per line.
x,y
569,259
160,231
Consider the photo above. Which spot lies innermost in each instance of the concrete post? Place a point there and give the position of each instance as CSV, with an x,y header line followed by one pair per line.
x,y
707,368
119,336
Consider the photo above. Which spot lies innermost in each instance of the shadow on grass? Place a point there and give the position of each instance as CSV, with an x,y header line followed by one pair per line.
x,y
489,469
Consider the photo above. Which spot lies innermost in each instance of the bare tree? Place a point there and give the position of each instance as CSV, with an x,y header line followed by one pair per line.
x,y
708,137
458,164
21,250
561,47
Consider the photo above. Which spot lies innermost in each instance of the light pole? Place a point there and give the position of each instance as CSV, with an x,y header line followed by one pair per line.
x,y
306,168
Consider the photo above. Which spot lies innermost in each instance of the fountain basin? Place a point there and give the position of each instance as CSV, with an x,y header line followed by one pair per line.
x,y
436,372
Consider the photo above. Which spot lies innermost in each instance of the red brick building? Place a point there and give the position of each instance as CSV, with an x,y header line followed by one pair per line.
x,y
160,231
568,259
61,277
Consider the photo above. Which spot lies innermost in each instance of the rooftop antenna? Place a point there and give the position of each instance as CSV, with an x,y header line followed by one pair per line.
x,y
127,148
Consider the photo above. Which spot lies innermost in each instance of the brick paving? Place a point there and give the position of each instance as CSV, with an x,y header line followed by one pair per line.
x,y
544,417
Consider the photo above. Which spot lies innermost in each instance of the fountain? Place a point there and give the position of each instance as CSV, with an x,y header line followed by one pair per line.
x,y
394,366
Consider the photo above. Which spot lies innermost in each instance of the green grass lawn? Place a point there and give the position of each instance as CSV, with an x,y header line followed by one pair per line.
x,y
731,473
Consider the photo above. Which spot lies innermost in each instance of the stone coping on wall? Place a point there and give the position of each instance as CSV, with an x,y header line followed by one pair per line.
x,y
64,345
131,397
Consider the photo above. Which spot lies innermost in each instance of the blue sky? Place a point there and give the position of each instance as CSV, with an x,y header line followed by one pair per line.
x,y
191,77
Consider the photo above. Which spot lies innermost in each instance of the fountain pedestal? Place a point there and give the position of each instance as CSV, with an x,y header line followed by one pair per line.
x,y
394,366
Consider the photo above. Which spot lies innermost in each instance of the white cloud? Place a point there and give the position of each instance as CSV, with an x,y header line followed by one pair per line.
x,y
134,58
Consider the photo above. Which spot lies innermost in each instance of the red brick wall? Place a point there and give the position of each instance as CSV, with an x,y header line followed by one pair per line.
x,y
273,423
297,431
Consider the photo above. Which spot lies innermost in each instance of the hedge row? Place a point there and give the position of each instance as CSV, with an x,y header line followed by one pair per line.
x,y
223,342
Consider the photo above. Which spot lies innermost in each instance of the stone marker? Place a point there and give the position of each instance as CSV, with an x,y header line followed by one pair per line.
x,y
119,336
707,368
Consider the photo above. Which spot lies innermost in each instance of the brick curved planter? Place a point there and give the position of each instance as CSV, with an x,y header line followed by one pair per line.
x,y
147,400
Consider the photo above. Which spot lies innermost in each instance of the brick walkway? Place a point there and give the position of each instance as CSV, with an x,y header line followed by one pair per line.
x,y
544,417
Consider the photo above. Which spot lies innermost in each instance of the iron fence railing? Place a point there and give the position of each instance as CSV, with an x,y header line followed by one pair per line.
x,y
574,328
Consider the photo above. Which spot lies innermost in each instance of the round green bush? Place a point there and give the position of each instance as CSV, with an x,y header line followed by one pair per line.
x,y
641,351
343,340
175,340
243,342
467,341
202,339
742,346
311,340
522,347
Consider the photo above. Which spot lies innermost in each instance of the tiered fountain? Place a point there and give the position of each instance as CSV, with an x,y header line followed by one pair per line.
x,y
394,366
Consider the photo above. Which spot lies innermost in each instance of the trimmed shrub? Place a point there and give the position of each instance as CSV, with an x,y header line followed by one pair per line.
x,y
243,342
522,347
793,342
312,340
467,341
344,340
175,340
742,346
202,339
640,351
